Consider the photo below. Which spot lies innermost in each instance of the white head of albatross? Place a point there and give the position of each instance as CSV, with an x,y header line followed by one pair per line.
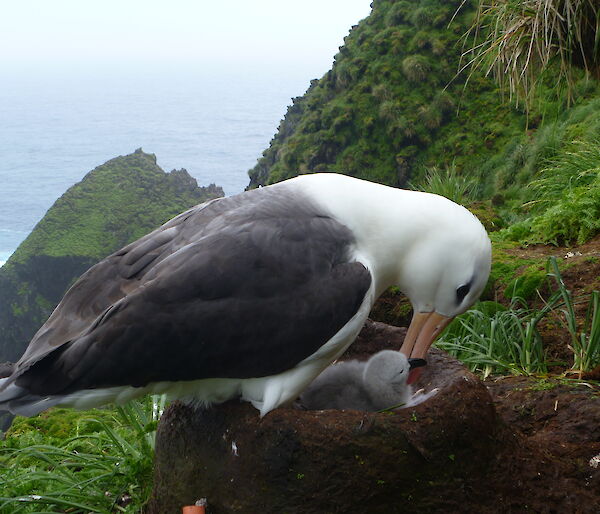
x,y
252,296
437,253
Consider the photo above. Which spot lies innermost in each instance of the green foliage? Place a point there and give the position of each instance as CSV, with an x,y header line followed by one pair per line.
x,y
490,338
448,183
577,167
88,220
384,105
393,109
565,199
527,43
58,423
114,204
585,337
416,68
64,461
527,284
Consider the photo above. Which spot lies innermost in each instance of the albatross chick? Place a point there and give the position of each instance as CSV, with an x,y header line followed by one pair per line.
x,y
379,383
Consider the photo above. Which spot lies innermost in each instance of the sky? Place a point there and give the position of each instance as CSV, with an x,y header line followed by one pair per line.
x,y
37,35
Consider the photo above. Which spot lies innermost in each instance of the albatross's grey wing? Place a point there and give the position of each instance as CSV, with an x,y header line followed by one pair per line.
x,y
108,282
259,288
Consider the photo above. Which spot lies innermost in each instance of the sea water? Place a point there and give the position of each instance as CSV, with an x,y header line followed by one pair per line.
x,y
54,128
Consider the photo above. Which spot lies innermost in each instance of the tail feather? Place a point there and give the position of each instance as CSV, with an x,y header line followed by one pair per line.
x,y
20,401
6,369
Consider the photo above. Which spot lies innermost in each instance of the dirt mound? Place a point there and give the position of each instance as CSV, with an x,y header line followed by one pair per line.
x,y
510,445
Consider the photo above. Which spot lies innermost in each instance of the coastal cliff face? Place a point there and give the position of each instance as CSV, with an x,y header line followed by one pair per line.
x,y
391,102
401,106
113,205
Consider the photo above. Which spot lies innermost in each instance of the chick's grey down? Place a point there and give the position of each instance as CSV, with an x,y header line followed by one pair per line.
x,y
376,384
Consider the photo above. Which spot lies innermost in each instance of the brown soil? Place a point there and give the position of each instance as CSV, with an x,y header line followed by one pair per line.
x,y
556,426
550,459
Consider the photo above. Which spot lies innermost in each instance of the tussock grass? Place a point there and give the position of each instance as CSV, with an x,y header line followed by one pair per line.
x,y
491,338
448,183
566,199
105,466
585,337
575,168
518,41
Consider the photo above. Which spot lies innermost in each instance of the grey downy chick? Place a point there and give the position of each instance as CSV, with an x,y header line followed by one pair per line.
x,y
376,384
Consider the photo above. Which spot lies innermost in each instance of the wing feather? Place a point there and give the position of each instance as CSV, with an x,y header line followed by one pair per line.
x,y
244,288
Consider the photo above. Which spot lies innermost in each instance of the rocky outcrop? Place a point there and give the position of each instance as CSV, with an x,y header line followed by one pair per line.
x,y
295,461
114,204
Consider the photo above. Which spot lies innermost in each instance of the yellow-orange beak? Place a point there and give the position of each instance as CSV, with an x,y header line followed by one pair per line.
x,y
422,332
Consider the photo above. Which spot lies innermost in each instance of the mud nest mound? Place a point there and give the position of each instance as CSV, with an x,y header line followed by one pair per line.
x,y
290,461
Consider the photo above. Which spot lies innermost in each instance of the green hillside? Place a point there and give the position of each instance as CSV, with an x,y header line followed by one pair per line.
x,y
113,205
395,108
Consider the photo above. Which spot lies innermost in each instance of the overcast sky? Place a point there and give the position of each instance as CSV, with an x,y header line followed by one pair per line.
x,y
37,34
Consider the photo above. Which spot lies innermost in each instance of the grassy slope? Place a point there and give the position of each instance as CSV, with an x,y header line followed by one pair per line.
x,y
390,103
393,106
114,204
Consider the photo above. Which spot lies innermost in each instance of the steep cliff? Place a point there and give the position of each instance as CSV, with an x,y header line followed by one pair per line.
x,y
392,102
402,106
114,204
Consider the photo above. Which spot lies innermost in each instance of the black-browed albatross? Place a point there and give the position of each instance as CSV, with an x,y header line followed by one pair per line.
x,y
252,296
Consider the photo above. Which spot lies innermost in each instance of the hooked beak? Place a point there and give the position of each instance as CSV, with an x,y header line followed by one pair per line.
x,y
422,332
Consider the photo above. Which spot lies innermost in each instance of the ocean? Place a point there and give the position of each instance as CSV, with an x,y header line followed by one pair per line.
x,y
56,128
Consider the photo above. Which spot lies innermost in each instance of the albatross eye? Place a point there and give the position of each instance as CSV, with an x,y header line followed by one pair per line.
x,y
461,292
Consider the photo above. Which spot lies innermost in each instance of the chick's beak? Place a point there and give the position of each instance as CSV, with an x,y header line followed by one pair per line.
x,y
422,332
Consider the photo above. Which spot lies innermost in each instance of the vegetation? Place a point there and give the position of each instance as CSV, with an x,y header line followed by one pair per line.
x,y
448,183
399,106
89,218
408,102
96,461
585,339
565,204
492,338
530,44
113,205
387,108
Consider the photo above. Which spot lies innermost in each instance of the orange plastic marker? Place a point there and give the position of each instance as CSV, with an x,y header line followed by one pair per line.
x,y
198,508
194,509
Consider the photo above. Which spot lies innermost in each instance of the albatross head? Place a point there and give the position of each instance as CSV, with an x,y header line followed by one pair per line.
x,y
443,274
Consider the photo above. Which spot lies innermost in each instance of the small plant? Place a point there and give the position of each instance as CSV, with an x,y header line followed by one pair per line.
x,y
416,68
585,341
448,183
490,338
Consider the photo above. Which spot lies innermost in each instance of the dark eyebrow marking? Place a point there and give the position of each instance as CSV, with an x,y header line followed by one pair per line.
x,y
463,291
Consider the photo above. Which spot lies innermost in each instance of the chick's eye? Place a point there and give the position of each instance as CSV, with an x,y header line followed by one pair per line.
x,y
461,292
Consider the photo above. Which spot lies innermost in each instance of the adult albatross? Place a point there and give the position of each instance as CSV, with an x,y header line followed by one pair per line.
x,y
252,296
